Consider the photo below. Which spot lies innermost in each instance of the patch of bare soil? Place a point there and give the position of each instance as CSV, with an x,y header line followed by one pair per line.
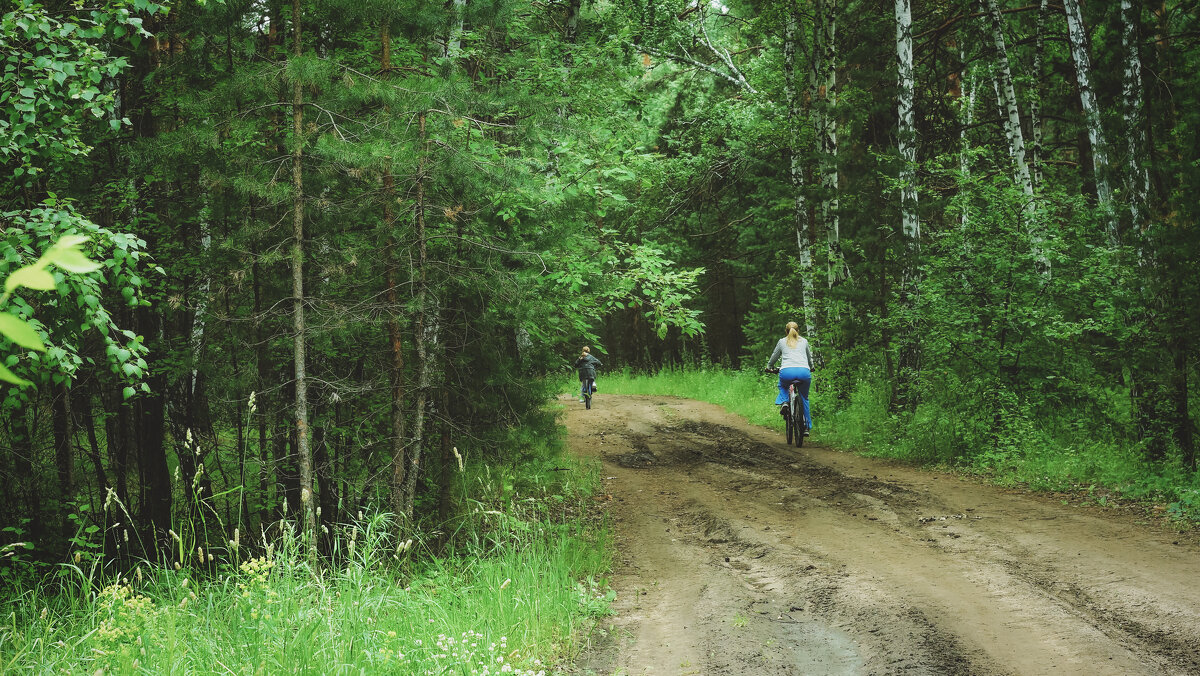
x,y
738,554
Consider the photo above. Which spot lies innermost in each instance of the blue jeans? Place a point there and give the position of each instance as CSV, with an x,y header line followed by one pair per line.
x,y
802,379
586,386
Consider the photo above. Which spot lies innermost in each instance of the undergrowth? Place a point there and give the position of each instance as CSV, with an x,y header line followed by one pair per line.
x,y
526,575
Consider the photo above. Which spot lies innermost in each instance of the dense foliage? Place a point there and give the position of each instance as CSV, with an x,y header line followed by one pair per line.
x,y
344,242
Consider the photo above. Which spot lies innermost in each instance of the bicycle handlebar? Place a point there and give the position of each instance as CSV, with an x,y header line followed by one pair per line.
x,y
774,370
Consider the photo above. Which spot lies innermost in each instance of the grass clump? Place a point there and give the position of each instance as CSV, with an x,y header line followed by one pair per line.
x,y
508,600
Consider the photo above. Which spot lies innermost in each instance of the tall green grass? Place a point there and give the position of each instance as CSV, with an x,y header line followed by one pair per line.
x,y
511,600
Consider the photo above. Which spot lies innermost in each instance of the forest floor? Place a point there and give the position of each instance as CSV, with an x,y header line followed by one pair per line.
x,y
737,554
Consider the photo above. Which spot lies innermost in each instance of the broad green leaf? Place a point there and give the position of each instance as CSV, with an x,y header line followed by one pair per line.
x,y
31,276
128,392
69,241
20,332
10,377
71,259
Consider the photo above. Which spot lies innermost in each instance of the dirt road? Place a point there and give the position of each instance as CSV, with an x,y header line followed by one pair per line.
x,y
740,555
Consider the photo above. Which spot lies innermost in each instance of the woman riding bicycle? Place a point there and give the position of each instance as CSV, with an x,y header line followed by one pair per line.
x,y
795,367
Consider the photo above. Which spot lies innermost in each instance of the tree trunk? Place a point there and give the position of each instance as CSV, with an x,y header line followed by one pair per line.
x,y
64,451
799,206
423,359
1035,101
1008,101
1006,95
968,112
448,464
303,452
83,404
1080,41
906,138
1138,176
149,418
394,310
827,135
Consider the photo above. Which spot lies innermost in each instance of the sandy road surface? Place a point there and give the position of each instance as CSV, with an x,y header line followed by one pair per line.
x,y
740,555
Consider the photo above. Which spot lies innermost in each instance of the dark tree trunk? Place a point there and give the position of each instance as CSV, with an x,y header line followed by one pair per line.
x,y
64,452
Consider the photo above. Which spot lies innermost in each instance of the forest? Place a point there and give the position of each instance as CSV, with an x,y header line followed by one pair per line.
x,y
271,259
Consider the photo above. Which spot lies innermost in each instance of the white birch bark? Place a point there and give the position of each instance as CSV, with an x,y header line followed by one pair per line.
x,y
1007,95
1078,35
906,138
964,161
1035,104
196,343
799,205
828,135
1135,133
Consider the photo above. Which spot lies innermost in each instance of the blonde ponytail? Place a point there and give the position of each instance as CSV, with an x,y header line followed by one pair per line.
x,y
793,335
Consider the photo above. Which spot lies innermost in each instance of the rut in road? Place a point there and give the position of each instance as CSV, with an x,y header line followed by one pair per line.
x,y
740,555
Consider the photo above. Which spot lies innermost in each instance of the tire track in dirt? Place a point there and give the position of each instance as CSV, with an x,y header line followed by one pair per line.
x,y
740,555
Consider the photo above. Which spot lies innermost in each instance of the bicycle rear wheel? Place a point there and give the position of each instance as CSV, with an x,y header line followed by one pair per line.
x,y
789,426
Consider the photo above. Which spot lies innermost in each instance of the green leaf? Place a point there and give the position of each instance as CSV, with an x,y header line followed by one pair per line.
x,y
20,332
10,377
32,276
71,259
70,240
127,392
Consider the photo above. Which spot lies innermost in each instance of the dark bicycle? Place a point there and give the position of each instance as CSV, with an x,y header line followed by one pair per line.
x,y
588,388
793,414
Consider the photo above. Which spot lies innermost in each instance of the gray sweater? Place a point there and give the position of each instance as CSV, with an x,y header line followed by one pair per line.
x,y
792,357
586,365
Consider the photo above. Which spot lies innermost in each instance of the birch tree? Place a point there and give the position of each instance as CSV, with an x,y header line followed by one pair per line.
x,y
796,170
968,113
1035,102
1138,177
824,86
699,37
1007,96
906,136
1078,36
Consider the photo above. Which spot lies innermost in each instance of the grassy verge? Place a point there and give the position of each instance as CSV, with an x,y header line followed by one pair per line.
x,y
510,601
1041,455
